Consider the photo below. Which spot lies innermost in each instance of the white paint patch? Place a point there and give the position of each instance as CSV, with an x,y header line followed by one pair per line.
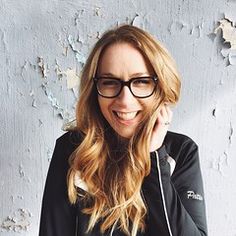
x,y
72,80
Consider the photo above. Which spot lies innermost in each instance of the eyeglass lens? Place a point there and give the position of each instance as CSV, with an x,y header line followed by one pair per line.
x,y
140,87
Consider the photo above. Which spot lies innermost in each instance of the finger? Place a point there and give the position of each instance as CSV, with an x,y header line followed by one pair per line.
x,y
165,116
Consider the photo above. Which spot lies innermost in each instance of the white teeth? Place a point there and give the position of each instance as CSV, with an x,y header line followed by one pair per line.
x,y
126,115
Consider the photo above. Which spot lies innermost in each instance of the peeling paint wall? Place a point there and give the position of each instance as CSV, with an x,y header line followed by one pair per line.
x,y
43,47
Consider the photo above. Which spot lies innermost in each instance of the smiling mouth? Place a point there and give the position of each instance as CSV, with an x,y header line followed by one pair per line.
x,y
126,116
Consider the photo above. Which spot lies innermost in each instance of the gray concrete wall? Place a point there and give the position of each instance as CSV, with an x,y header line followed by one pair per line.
x,y
43,44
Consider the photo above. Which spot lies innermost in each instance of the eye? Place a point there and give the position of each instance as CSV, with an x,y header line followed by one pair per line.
x,y
107,82
142,82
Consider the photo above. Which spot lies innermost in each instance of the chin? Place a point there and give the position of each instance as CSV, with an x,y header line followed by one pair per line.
x,y
125,135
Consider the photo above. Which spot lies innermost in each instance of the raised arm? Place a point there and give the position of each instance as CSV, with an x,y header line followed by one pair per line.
x,y
178,198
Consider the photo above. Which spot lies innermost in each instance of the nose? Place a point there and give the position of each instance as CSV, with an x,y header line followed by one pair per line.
x,y
125,96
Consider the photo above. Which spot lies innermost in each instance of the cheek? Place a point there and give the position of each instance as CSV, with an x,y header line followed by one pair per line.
x,y
149,105
104,105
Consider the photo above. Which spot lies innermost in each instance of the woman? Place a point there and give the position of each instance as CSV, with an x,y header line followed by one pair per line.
x,y
126,175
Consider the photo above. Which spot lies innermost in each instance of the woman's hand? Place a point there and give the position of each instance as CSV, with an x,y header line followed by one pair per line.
x,y
160,129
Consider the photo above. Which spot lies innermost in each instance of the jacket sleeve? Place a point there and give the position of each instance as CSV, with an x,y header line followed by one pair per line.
x,y
58,216
183,191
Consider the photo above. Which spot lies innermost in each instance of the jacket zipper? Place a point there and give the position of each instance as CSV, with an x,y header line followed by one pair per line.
x,y
162,193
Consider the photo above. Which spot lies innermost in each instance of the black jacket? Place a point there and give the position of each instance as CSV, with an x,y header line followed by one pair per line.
x,y
172,192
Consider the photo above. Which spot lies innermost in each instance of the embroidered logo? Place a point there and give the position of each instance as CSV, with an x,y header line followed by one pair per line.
x,y
193,195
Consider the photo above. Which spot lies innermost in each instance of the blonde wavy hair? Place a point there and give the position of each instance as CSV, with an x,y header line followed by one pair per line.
x,y
114,183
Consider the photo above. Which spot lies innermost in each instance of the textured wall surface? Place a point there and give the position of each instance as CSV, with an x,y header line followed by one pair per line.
x,y
43,45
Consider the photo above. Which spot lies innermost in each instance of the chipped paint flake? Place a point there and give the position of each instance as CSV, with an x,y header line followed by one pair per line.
x,y
49,155
61,112
231,131
200,28
78,15
98,11
43,67
181,25
58,71
71,76
19,221
13,198
21,171
23,68
228,30
137,21
232,57
214,112
34,104
31,93
132,21
65,51
192,31
3,36
40,122
50,96
75,47
70,125
221,163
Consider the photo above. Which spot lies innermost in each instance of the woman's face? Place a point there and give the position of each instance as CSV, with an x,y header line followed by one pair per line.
x,y
124,112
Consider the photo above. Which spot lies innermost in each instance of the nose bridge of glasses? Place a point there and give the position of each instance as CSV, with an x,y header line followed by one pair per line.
x,y
127,84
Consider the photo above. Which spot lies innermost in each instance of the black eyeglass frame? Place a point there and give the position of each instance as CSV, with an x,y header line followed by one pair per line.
x,y
128,84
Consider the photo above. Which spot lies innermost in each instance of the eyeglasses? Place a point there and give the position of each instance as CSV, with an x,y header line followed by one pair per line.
x,y
141,87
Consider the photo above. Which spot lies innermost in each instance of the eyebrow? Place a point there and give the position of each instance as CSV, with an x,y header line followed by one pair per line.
x,y
131,76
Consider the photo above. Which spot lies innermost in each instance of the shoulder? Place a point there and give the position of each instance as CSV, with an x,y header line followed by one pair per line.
x,y
179,145
68,142
173,138
70,137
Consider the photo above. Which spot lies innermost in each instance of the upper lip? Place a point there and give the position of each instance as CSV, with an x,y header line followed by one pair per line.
x,y
125,111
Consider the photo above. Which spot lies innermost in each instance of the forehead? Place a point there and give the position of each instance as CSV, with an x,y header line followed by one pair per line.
x,y
123,59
